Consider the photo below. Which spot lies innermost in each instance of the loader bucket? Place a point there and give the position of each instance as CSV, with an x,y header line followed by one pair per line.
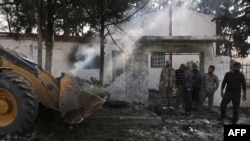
x,y
76,103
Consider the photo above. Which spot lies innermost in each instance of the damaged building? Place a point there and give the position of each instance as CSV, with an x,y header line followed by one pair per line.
x,y
133,68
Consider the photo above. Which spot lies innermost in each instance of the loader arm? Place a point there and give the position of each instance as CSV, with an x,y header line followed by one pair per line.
x,y
64,95
46,87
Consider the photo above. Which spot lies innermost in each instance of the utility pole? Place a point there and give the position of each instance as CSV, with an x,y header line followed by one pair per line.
x,y
170,24
170,18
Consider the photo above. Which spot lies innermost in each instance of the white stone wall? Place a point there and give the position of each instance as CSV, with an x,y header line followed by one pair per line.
x,y
62,64
28,48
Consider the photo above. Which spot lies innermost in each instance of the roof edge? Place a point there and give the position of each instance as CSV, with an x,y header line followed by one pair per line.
x,y
178,39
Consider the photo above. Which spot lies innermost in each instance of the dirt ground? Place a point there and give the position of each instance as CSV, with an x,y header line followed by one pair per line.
x,y
200,125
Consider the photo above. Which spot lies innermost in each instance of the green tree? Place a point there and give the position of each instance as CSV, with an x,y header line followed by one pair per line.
x,y
41,14
20,15
232,20
69,17
71,20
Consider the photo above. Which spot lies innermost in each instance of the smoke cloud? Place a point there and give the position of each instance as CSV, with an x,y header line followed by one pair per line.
x,y
83,56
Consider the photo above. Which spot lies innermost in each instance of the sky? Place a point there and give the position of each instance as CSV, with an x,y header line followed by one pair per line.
x,y
2,23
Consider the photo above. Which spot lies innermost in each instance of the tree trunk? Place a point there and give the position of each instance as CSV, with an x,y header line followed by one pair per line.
x,y
102,39
50,38
40,45
49,54
39,34
218,43
8,21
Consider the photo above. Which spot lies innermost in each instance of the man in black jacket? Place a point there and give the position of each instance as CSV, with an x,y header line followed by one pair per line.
x,y
234,82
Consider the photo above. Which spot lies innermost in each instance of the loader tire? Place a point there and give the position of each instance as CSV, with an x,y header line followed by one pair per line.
x,y
19,106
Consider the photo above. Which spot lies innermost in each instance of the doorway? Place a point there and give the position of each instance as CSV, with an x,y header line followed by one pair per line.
x,y
156,61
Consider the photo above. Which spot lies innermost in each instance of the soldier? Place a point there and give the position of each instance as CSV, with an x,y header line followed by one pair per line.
x,y
210,83
167,83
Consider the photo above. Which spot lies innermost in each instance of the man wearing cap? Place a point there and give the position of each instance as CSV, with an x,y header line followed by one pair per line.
x,y
234,82
167,83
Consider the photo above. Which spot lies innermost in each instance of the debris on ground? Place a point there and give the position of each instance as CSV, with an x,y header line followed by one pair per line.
x,y
200,125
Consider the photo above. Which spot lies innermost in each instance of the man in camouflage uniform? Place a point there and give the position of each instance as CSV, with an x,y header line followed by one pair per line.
x,y
210,84
167,83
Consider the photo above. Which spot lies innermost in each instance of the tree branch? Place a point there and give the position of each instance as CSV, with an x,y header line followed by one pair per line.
x,y
113,40
113,23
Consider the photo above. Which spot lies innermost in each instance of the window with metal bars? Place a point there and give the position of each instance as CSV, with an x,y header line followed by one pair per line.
x,y
157,60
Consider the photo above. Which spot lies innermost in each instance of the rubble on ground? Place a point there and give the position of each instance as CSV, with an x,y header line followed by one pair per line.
x,y
200,125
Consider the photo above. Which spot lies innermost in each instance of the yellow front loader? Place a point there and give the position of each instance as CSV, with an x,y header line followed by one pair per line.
x,y
24,85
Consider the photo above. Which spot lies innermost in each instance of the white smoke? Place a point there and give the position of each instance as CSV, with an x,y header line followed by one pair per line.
x,y
152,24
84,55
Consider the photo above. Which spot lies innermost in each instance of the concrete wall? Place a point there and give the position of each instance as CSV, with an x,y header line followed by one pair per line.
x,y
28,48
120,90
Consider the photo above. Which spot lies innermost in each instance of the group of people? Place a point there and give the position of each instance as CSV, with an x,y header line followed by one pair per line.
x,y
194,87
